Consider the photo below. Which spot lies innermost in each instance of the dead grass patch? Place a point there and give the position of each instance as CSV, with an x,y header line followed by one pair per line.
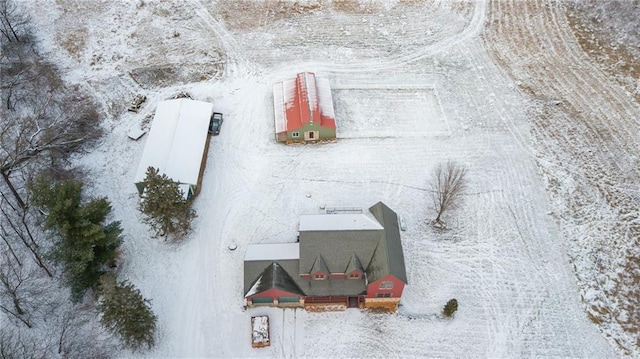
x,y
173,74
615,58
74,41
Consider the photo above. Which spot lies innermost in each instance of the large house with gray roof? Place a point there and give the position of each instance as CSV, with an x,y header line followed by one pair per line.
x,y
342,259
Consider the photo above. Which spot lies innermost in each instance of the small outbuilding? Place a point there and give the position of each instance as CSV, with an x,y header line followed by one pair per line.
x,y
303,109
177,143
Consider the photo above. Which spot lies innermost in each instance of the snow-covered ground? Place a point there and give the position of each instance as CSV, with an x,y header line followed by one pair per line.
x,y
414,85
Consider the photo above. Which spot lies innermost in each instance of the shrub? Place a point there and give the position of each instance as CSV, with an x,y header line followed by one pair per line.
x,y
450,308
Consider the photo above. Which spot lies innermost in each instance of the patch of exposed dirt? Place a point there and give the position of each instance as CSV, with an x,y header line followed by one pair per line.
x,y
609,32
153,77
248,14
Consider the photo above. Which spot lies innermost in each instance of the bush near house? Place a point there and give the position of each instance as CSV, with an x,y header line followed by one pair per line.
x,y
450,308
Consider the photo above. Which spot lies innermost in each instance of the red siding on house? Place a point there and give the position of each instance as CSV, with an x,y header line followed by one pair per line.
x,y
396,291
273,293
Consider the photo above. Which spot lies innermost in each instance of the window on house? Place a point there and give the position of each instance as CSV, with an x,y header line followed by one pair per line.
x,y
311,134
387,284
319,276
383,295
354,275
295,134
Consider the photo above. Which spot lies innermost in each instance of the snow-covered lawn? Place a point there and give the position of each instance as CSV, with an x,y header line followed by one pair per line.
x,y
413,87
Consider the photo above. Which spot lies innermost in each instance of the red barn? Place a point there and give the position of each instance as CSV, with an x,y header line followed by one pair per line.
x,y
303,109
341,260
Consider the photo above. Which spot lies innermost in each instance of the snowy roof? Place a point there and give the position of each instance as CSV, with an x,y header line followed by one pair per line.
x,y
325,100
177,140
301,100
276,251
338,222
135,133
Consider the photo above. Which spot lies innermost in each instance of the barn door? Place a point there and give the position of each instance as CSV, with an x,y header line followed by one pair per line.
x,y
312,135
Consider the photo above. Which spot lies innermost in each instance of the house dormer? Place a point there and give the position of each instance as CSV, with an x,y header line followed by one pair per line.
x,y
319,269
354,268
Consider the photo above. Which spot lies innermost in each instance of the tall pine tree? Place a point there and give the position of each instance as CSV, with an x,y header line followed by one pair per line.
x,y
86,246
165,208
126,313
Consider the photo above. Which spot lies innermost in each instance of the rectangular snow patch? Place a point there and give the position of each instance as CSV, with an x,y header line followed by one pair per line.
x,y
395,111
274,252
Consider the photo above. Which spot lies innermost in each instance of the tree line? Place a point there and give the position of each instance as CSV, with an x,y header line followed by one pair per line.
x,y
50,231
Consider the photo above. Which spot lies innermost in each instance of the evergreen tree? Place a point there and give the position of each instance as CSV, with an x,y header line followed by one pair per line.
x,y
165,208
128,315
450,308
86,246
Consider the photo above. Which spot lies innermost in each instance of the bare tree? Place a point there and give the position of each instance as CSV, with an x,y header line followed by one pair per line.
x,y
54,128
13,344
76,333
17,226
42,119
14,24
12,280
447,186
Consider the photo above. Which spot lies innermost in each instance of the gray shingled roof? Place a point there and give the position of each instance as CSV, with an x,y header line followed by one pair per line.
x,y
255,272
337,247
319,266
333,287
354,264
274,277
388,257
379,250
376,252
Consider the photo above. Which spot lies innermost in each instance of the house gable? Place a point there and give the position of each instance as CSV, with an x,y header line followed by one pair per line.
x,y
354,269
319,269
386,287
274,278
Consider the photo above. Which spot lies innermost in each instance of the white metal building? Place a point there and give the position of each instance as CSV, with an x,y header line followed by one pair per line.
x,y
177,142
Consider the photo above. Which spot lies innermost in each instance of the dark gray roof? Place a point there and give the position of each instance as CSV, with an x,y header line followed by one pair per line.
x,y
258,272
376,252
274,277
333,287
388,257
319,266
336,247
354,264
380,250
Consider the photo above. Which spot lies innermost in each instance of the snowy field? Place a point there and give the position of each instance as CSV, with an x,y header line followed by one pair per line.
x,y
414,84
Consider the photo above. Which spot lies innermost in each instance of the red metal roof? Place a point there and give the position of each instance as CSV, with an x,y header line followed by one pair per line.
x,y
302,102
